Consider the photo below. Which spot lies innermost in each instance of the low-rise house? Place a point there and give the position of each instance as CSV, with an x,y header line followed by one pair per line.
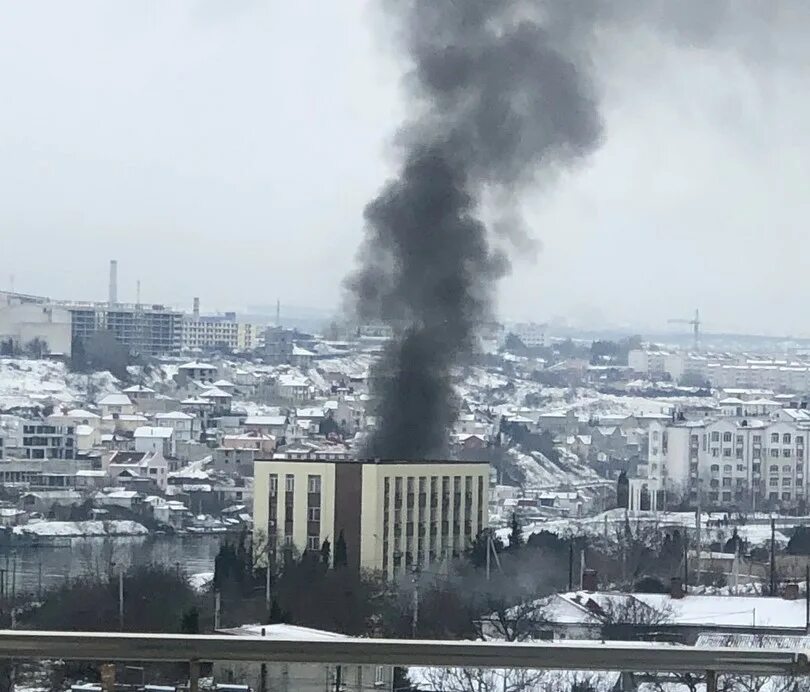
x,y
302,677
139,393
186,427
202,372
116,497
90,479
139,469
220,400
225,386
11,516
53,504
672,616
154,439
122,423
170,512
275,426
238,460
294,388
87,437
115,403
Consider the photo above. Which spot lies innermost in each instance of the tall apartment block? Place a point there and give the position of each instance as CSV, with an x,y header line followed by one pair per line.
x,y
150,329
395,516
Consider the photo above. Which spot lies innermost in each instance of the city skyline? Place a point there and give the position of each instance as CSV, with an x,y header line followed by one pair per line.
x,y
205,158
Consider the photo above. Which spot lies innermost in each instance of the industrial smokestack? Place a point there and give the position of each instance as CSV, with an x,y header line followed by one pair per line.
x,y
113,297
196,309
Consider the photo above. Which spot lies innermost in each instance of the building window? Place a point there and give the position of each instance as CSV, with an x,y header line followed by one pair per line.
x,y
726,482
786,452
314,514
739,439
715,467
740,468
787,481
775,437
739,452
726,437
715,452
774,452
727,452
773,481
314,483
289,483
773,468
727,468
786,439
715,437
799,440
757,439
313,542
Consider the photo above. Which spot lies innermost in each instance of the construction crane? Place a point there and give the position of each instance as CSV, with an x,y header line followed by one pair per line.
x,y
695,322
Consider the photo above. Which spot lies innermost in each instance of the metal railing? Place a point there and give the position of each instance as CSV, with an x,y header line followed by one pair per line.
x,y
642,657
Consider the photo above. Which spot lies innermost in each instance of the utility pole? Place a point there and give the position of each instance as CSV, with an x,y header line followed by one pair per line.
x,y
415,618
121,600
773,557
807,598
699,546
217,605
570,565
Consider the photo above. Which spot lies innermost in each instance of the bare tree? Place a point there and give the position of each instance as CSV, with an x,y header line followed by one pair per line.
x,y
481,679
627,617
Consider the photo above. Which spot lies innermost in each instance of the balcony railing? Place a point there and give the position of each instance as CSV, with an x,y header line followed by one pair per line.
x,y
567,655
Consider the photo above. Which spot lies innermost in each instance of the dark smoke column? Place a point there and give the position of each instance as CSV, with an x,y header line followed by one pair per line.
x,y
496,101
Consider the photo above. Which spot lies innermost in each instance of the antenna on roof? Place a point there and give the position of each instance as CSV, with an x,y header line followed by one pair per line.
x,y
278,312
138,292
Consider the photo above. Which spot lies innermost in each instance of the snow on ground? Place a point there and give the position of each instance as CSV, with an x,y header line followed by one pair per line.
x,y
26,382
540,472
114,527
201,580
712,526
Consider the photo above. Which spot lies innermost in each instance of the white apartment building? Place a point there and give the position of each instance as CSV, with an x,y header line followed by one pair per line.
x,y
531,334
732,461
201,332
723,372
393,515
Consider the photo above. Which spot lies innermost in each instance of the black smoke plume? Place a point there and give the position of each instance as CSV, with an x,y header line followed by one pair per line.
x,y
495,101
500,96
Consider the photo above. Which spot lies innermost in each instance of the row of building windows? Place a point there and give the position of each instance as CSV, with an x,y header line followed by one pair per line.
x,y
757,439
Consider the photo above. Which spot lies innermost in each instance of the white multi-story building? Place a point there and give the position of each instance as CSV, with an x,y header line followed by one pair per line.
x,y
215,331
732,461
531,334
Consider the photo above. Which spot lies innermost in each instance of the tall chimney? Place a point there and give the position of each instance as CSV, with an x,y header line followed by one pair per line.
x,y
196,309
113,298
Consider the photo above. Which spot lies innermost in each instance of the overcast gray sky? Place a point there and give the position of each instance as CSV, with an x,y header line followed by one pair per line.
x,y
226,149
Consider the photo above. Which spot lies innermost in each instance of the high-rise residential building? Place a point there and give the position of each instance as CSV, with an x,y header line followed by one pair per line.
x,y
733,461
394,516
150,329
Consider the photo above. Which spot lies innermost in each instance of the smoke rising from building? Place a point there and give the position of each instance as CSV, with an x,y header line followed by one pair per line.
x,y
501,95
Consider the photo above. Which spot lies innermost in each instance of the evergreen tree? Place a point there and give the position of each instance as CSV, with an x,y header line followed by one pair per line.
x,y
276,615
326,552
515,533
341,555
190,622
